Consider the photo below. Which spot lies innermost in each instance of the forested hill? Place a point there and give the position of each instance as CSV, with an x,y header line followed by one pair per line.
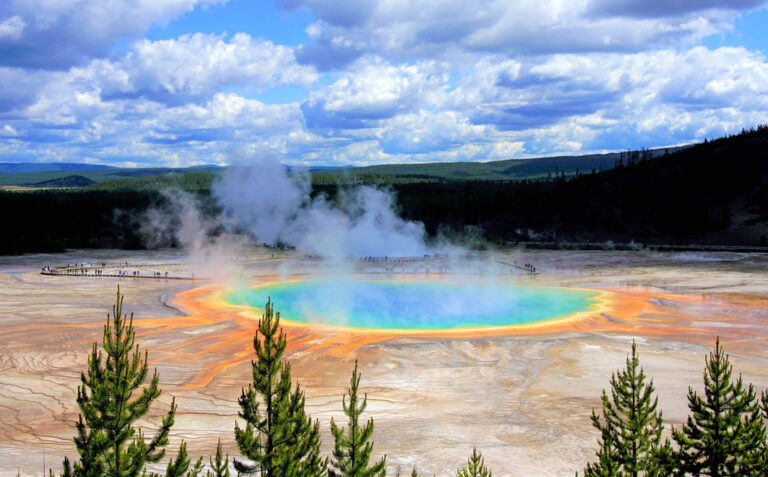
x,y
509,169
715,192
31,175
711,193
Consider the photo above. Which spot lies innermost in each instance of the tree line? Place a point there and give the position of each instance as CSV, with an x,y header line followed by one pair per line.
x,y
678,197
688,195
725,435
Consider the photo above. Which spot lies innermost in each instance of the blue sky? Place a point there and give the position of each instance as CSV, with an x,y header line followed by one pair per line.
x,y
187,82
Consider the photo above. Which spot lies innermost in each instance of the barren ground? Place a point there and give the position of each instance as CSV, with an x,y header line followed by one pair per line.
x,y
522,397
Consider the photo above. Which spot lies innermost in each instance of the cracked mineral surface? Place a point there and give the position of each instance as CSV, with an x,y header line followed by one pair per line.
x,y
521,395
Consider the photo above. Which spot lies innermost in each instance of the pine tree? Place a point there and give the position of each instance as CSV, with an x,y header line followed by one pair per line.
x,y
279,439
352,447
724,434
665,461
607,464
631,426
764,404
220,464
180,467
475,467
763,464
107,442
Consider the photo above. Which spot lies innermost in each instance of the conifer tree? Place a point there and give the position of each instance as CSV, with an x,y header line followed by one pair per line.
x,y
219,464
763,465
607,464
475,467
352,445
665,461
112,397
631,425
180,466
724,434
279,439
764,404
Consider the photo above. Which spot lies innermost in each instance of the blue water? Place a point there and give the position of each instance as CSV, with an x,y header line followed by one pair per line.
x,y
421,305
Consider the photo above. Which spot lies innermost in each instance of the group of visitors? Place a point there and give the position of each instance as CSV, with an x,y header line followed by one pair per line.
x,y
137,274
434,256
530,268
81,269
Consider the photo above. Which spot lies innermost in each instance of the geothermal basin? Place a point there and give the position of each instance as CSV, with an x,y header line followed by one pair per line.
x,y
512,364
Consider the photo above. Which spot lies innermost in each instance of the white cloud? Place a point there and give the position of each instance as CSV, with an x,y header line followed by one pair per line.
x,y
232,116
507,149
8,131
52,34
665,8
11,28
69,119
376,91
405,29
199,65
602,90
425,132
191,100
19,88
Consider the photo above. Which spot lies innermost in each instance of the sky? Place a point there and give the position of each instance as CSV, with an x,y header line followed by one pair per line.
x,y
140,83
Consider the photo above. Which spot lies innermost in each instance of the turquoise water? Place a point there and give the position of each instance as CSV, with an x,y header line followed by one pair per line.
x,y
426,305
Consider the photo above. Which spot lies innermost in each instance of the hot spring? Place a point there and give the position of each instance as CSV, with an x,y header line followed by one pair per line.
x,y
415,305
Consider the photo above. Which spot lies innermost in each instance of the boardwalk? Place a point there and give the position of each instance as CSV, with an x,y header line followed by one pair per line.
x,y
122,270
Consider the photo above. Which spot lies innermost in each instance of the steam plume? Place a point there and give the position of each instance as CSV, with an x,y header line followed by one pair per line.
x,y
275,207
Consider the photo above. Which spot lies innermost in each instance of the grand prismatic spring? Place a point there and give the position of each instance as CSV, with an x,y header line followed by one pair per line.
x,y
416,305
493,357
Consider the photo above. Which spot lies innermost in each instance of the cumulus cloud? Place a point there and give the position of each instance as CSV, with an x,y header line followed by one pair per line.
x,y
226,117
11,28
345,31
665,8
192,68
495,109
412,81
199,65
608,87
426,132
57,35
8,131
70,112
374,92
19,88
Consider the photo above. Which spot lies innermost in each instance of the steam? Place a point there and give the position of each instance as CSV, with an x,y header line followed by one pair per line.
x,y
274,207
262,204
182,220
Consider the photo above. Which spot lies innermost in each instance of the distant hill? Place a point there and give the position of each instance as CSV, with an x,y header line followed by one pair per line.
x,y
16,167
65,182
156,171
31,174
509,169
32,179
200,178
